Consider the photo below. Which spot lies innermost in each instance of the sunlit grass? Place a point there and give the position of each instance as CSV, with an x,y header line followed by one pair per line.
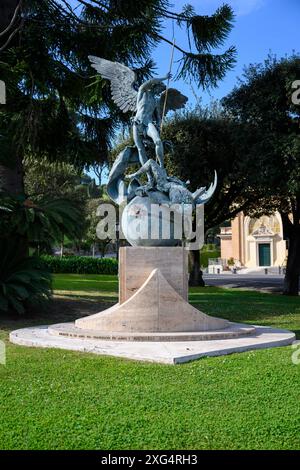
x,y
55,399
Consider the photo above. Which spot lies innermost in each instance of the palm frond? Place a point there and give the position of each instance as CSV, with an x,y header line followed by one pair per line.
x,y
23,282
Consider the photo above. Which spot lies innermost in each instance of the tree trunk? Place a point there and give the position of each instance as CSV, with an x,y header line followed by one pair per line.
x,y
292,276
11,178
103,249
196,275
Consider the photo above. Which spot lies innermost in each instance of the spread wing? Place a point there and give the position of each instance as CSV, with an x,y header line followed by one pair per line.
x,y
175,100
121,79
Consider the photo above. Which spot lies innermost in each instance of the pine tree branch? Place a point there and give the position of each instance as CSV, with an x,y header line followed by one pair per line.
x,y
207,68
102,5
70,13
162,38
88,5
211,31
2,33
68,10
11,36
173,15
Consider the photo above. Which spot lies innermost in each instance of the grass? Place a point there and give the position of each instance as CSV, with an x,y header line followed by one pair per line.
x,y
52,399
103,287
87,282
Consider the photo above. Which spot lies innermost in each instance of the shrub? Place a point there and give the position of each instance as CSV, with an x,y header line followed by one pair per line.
x,y
24,282
80,265
209,247
206,255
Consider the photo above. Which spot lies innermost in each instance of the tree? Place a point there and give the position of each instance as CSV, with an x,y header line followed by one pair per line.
x,y
263,101
91,222
99,170
55,107
43,178
205,140
38,225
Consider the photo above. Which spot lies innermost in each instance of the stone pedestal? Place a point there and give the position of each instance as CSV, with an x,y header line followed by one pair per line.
x,y
153,300
137,263
153,320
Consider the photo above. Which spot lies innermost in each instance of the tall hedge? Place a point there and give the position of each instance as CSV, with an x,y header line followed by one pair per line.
x,y
80,265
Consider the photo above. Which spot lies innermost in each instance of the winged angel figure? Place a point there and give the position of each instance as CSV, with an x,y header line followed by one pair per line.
x,y
146,102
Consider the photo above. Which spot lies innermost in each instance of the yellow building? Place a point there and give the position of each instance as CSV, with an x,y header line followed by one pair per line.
x,y
254,243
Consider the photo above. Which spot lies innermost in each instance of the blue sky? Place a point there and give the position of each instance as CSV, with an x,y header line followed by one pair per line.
x,y
260,26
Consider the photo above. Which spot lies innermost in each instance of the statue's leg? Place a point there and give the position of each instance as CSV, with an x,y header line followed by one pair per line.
x,y
137,137
153,133
139,144
159,175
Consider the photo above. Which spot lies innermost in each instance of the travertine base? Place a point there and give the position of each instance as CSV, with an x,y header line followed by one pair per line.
x,y
137,263
153,297
234,330
155,307
153,321
167,352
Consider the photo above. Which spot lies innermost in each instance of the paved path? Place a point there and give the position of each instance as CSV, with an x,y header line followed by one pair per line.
x,y
269,282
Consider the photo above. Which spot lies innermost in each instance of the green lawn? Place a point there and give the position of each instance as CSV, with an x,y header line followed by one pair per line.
x,y
88,282
52,399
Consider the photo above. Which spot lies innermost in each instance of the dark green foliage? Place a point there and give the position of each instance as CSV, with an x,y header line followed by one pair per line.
x,y
80,264
23,281
53,180
263,100
205,33
208,68
56,106
270,144
43,223
204,141
211,31
206,255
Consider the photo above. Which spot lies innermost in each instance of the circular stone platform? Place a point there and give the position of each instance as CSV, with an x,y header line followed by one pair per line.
x,y
171,352
234,330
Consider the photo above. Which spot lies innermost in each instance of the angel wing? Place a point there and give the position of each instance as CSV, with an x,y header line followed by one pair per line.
x,y
121,78
175,100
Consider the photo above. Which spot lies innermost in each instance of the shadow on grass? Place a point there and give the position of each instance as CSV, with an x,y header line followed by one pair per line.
x,y
297,333
58,310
